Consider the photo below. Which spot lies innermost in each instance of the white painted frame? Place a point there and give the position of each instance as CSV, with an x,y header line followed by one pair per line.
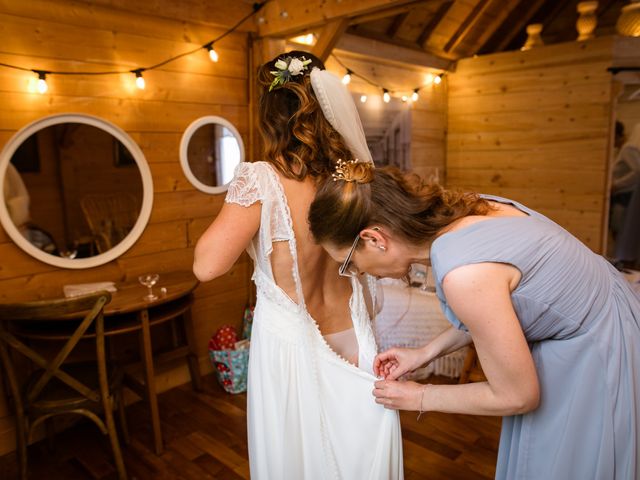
x,y
147,190
184,145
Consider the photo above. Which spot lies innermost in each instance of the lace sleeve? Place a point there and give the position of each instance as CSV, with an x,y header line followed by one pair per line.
x,y
244,189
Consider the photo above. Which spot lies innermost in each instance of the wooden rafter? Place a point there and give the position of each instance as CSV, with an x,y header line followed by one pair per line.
x,y
396,24
289,17
398,42
387,51
467,25
442,10
328,37
393,11
549,12
502,15
524,19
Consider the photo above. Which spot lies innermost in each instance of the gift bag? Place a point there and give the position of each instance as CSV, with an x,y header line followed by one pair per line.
x,y
230,359
247,322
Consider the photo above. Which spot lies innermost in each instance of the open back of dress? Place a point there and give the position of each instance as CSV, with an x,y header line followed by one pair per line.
x,y
311,413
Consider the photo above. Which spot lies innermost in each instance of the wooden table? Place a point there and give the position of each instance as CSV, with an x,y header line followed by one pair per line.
x,y
129,312
175,301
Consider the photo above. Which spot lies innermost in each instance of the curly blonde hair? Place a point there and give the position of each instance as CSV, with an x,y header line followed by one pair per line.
x,y
298,139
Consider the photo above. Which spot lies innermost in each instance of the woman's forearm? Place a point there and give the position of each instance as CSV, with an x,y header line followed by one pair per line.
x,y
477,399
448,341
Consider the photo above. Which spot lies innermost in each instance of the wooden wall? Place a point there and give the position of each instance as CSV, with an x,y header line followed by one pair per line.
x,y
428,132
427,115
536,126
107,35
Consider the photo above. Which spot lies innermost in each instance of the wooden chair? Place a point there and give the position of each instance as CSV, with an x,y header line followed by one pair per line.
x,y
110,217
471,370
57,387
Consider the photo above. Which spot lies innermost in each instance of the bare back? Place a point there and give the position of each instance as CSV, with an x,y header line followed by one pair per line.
x,y
326,294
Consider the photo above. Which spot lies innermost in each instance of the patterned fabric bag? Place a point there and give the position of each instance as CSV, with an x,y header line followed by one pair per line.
x,y
230,362
247,322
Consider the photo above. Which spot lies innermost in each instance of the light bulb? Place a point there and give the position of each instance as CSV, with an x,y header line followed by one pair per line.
x,y
363,98
428,79
414,95
437,79
404,98
140,83
347,78
385,96
213,55
42,86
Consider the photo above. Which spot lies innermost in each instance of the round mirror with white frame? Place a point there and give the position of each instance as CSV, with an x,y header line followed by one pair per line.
x,y
75,190
210,149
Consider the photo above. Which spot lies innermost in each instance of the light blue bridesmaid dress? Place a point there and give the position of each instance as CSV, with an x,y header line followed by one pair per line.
x,y
582,321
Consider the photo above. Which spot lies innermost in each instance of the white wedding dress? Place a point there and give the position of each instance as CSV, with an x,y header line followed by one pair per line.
x,y
311,414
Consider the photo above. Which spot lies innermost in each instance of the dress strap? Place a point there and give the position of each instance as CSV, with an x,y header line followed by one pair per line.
x,y
293,247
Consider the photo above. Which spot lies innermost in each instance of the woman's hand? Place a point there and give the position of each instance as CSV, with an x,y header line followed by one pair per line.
x,y
399,395
395,362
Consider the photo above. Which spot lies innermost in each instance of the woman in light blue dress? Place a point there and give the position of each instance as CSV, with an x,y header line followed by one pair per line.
x,y
556,327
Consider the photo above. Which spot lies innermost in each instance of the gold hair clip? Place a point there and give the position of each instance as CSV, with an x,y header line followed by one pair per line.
x,y
342,172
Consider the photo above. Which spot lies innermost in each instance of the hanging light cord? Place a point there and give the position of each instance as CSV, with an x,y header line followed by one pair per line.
x,y
256,8
371,82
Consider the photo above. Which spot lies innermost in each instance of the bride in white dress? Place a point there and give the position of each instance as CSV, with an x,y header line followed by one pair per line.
x,y
311,414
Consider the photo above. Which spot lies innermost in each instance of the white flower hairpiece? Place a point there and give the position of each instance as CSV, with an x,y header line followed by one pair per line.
x,y
286,68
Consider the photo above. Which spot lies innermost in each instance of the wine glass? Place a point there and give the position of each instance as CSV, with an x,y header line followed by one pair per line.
x,y
149,280
425,281
420,276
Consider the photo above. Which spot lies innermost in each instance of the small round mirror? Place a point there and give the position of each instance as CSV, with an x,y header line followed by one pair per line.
x,y
75,190
210,149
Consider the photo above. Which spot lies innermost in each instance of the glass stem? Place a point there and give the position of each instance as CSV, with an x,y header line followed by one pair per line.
x,y
150,291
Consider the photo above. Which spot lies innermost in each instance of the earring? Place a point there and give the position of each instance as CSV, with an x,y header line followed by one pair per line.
x,y
382,247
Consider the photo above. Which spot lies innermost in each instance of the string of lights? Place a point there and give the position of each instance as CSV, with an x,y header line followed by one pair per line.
x,y
42,74
413,94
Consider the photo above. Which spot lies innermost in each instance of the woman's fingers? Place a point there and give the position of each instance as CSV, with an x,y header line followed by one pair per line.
x,y
396,395
395,373
383,362
381,392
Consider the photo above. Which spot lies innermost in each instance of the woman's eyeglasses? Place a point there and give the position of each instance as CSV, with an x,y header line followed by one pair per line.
x,y
347,269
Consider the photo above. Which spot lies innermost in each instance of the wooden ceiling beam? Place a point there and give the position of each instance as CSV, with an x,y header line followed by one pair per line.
x,y
289,17
396,24
500,18
467,25
387,12
523,20
328,37
387,51
397,42
440,13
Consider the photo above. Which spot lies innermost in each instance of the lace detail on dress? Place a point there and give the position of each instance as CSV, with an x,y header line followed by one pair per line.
x,y
244,189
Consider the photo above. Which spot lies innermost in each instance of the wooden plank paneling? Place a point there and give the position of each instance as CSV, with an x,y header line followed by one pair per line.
x,y
228,91
579,154
113,35
428,132
192,15
18,109
536,126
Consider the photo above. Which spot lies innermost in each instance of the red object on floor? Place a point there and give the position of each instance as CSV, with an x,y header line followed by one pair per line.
x,y
224,339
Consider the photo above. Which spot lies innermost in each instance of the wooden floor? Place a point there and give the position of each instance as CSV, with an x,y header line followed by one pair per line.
x,y
205,437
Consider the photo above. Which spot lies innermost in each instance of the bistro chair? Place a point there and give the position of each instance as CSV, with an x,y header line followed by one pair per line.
x,y
471,370
110,217
57,386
